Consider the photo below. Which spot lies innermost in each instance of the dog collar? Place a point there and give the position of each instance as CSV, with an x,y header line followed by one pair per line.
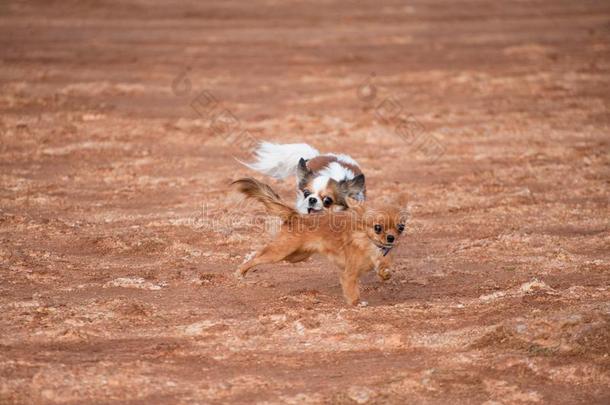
x,y
385,250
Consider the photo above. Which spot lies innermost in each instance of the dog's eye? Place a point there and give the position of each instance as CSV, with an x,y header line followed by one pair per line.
x,y
306,193
327,201
401,227
378,228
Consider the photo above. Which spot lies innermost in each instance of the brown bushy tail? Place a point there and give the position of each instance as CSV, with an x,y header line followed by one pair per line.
x,y
261,192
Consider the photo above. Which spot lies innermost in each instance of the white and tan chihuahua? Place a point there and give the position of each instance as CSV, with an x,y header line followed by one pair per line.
x,y
323,181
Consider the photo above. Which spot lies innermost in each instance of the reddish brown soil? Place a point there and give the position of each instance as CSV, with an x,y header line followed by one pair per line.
x,y
119,237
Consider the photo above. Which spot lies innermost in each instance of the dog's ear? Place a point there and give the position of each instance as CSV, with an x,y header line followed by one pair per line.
x,y
303,172
353,187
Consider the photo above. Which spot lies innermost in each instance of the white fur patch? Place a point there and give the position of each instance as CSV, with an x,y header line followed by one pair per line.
x,y
319,183
337,171
279,160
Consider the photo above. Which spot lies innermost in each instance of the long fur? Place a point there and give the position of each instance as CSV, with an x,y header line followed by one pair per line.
x,y
280,161
261,192
356,240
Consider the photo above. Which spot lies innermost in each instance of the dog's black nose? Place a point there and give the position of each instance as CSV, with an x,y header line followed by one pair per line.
x,y
313,200
390,238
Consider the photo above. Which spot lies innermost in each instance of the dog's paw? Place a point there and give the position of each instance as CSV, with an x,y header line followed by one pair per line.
x,y
239,275
384,274
249,256
363,304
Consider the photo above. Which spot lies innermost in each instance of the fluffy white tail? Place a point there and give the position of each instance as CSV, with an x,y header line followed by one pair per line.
x,y
280,161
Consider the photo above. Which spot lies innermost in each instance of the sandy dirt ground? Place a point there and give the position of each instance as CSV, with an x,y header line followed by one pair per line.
x,y
120,123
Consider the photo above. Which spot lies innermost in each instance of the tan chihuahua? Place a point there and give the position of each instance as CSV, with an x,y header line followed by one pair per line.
x,y
356,240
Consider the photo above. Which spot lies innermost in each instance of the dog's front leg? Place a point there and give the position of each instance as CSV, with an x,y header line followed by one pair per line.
x,y
353,268
349,284
382,266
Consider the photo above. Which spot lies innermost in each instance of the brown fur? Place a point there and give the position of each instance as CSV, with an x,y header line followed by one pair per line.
x,y
347,238
265,194
320,162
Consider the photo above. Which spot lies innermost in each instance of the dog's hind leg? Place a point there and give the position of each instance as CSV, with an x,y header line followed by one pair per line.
x,y
298,256
272,253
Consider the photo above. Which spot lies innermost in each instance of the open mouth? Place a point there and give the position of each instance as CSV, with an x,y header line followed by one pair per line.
x,y
382,245
310,210
385,249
